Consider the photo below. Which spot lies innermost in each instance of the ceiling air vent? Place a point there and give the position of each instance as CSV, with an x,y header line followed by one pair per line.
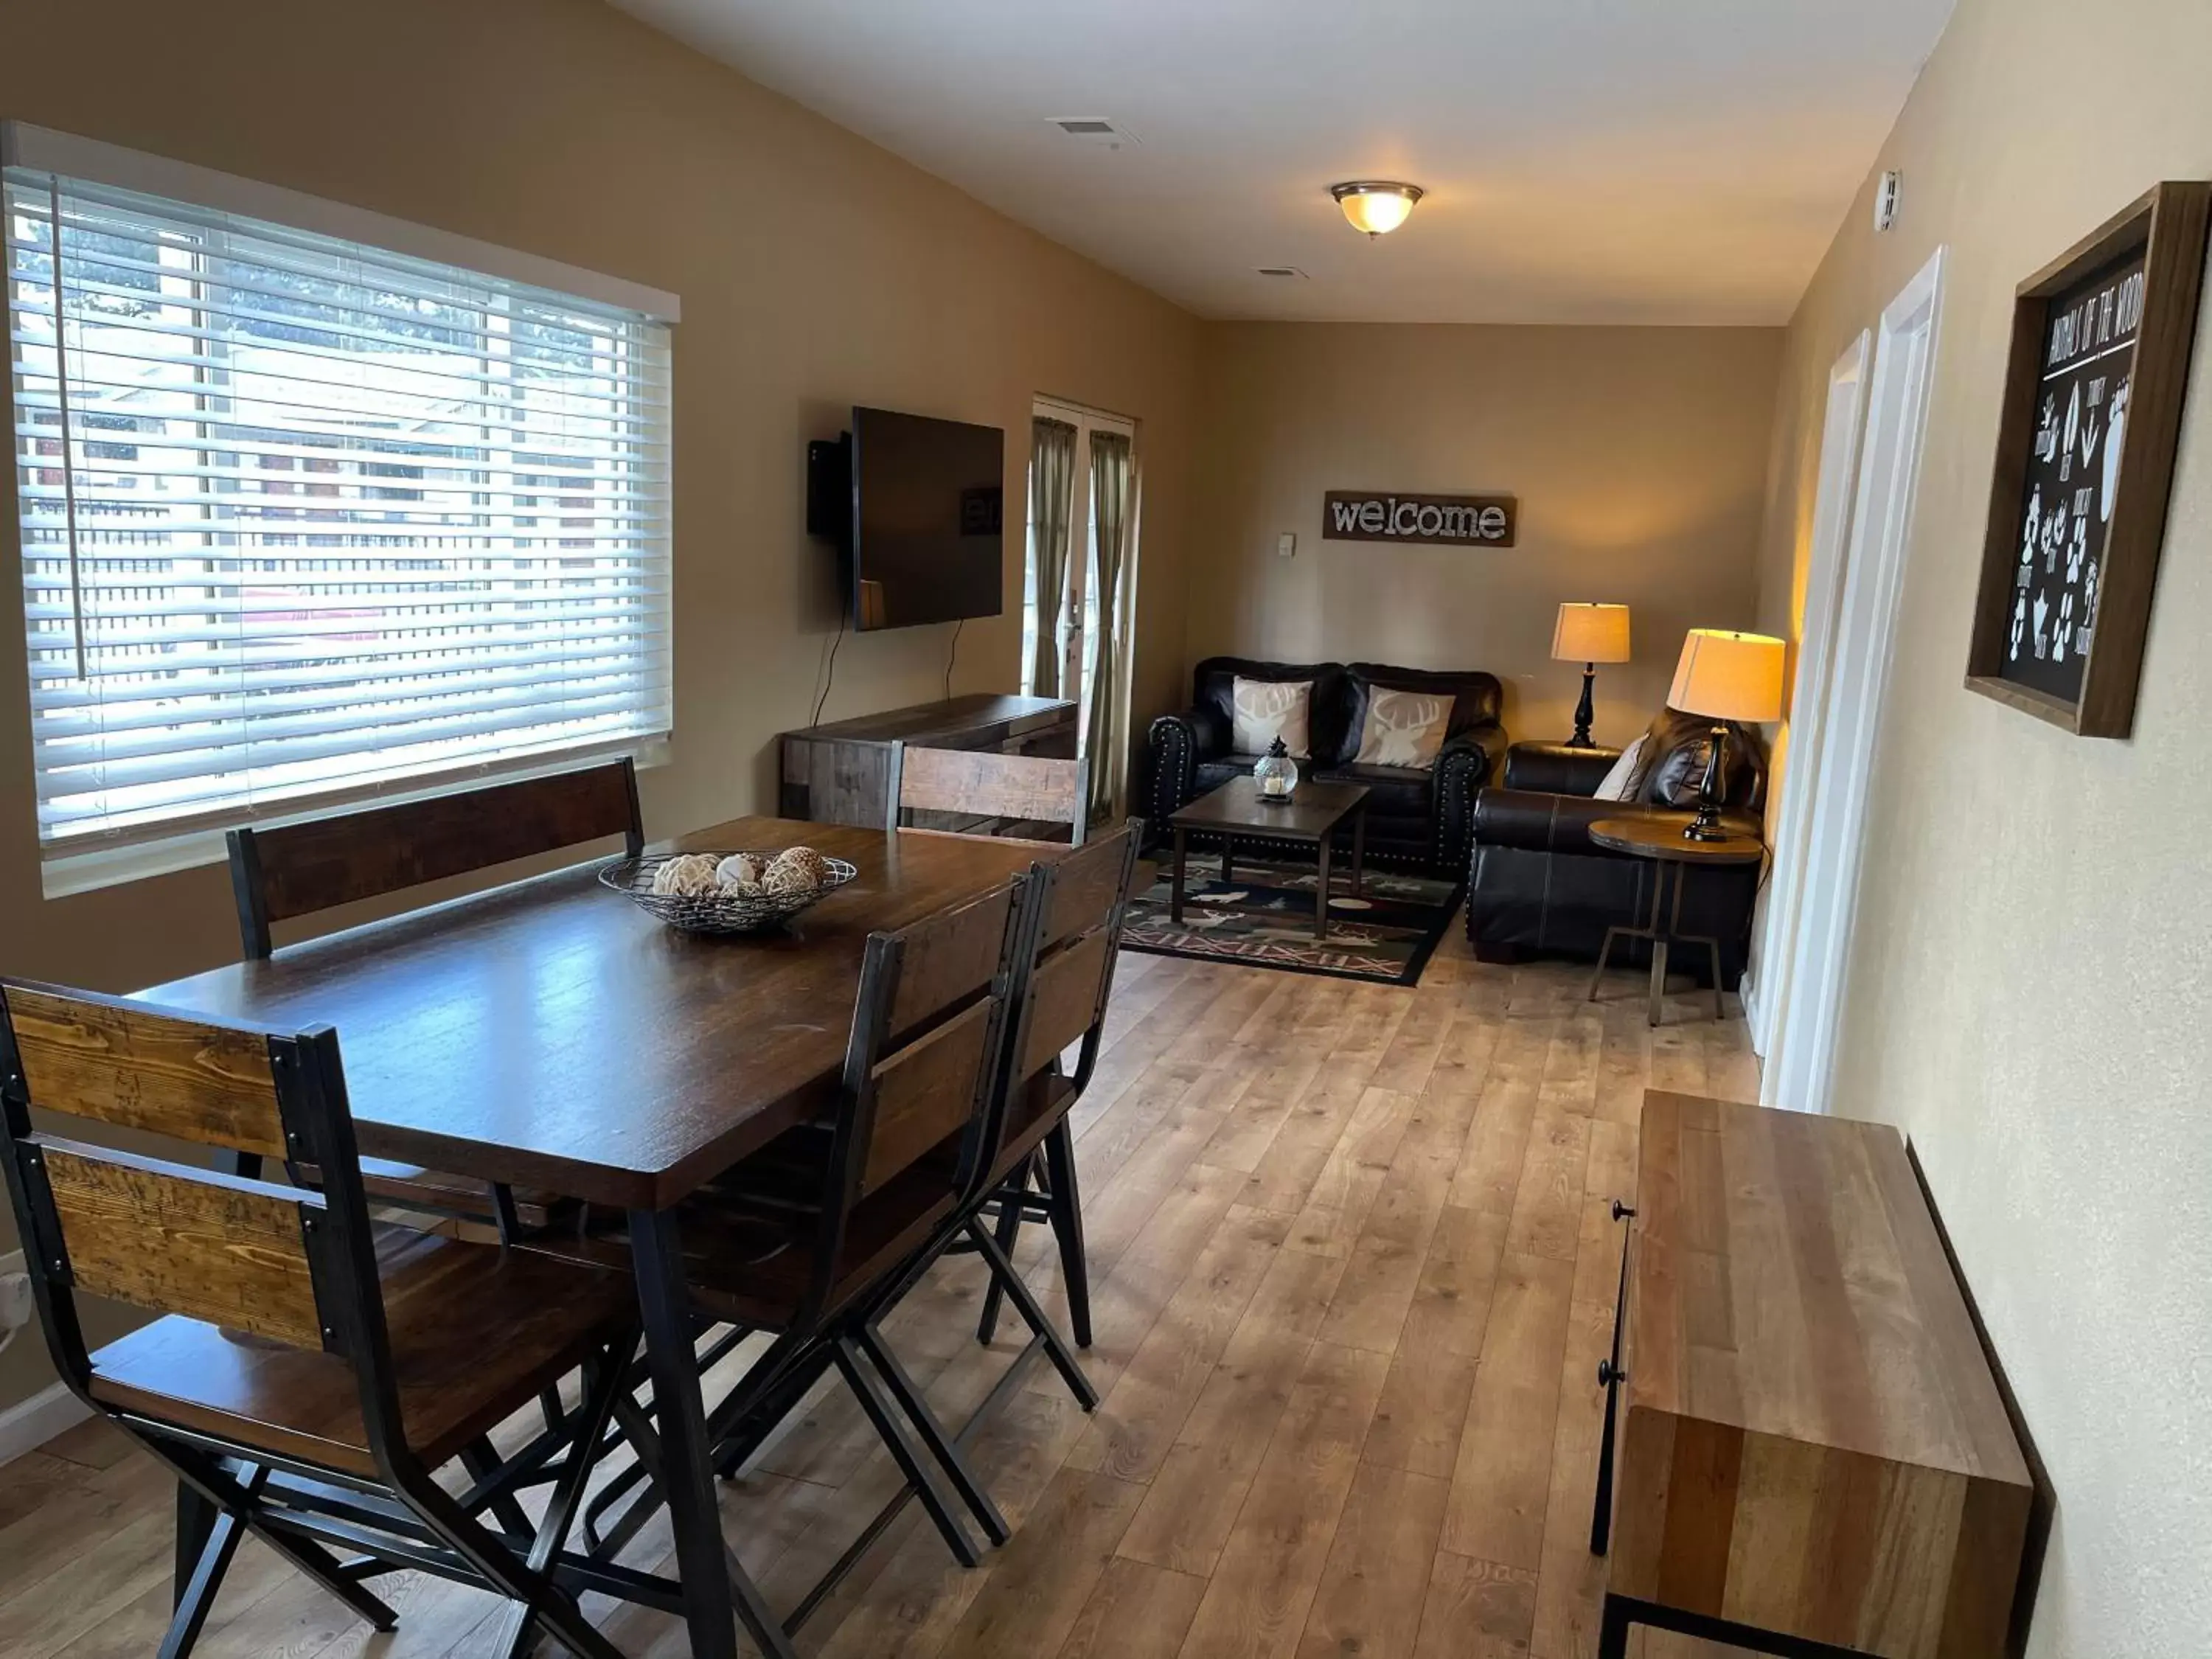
x,y
1094,129
1290,271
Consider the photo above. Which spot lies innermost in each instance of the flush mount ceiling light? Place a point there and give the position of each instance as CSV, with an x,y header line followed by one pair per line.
x,y
1376,205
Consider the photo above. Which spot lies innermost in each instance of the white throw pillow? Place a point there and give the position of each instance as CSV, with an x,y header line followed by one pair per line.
x,y
1403,729
1621,778
1267,710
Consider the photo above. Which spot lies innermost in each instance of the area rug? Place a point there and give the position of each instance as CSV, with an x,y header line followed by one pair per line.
x,y
1266,918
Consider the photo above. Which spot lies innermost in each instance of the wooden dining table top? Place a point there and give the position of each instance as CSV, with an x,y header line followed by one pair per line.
x,y
548,1033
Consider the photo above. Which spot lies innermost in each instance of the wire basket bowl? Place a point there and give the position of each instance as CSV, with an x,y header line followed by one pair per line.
x,y
723,912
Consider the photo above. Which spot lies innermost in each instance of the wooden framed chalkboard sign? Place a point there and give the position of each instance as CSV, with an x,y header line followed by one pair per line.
x,y
2086,443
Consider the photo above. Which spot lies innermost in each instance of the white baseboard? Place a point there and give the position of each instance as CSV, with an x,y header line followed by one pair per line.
x,y
29,1424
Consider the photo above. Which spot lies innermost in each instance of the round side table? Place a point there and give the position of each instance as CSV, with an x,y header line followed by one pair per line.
x,y
1666,845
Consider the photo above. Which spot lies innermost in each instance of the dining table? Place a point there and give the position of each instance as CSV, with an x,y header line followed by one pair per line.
x,y
548,1033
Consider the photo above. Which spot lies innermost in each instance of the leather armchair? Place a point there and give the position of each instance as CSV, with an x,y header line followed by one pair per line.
x,y
1417,817
1539,885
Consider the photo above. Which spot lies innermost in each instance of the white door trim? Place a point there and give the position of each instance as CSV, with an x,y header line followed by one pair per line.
x,y
1766,990
1800,1069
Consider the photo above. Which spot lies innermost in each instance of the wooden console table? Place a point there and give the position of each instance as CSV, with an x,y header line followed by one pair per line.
x,y
838,773
1813,1457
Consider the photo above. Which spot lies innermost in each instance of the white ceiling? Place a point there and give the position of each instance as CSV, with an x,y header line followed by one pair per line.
x,y
1587,161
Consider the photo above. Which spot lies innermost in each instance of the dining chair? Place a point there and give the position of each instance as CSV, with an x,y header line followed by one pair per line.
x,y
982,783
307,1372
1062,1004
297,870
1058,1001
797,1239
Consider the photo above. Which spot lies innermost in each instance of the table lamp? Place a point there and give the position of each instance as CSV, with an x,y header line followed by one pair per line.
x,y
1727,675
1589,634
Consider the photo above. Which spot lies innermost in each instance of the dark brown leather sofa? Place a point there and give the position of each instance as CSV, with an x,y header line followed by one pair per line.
x,y
1417,817
1538,885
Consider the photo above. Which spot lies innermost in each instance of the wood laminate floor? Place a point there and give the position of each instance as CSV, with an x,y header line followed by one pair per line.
x,y
1353,1272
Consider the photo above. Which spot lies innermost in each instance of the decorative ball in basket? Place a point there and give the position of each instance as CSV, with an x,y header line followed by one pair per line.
x,y
728,892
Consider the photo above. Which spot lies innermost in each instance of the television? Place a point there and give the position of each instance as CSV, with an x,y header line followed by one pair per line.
x,y
919,518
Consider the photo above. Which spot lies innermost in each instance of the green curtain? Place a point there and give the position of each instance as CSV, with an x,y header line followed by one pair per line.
x,y
1112,486
1052,480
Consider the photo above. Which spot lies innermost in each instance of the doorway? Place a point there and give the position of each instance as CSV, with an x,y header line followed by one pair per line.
x,y
1767,984
1810,919
1079,596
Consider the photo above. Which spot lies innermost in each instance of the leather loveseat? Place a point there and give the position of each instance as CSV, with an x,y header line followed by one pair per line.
x,y
1417,817
1539,885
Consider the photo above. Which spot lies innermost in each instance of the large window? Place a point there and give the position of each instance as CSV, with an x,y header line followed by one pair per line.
x,y
308,518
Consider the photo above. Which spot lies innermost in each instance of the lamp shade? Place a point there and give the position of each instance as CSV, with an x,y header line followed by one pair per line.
x,y
1727,675
1591,632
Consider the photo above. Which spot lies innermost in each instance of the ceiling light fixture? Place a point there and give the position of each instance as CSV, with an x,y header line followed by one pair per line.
x,y
1376,205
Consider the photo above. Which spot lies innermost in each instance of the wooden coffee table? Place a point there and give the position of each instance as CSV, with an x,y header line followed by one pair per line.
x,y
1311,815
1665,844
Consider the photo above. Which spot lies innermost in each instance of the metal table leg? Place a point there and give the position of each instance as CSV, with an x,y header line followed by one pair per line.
x,y
196,1519
1613,1629
1659,936
1321,893
715,1586
1604,950
1175,879
1621,1612
1358,848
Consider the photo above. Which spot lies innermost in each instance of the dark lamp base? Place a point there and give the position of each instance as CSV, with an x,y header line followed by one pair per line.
x,y
1582,711
1706,826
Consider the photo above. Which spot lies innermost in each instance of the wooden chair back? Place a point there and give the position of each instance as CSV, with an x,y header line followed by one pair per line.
x,y
984,784
1082,901
927,1044
284,1263
298,869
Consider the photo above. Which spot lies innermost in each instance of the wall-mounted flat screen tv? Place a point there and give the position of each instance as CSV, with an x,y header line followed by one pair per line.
x,y
928,520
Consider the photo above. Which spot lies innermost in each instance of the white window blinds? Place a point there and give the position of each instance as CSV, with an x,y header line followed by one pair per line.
x,y
301,517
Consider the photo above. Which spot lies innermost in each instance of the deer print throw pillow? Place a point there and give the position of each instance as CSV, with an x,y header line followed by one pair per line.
x,y
1403,729
1267,710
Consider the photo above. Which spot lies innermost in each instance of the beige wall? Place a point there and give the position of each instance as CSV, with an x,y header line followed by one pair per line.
x,y
1639,457
2030,989
816,271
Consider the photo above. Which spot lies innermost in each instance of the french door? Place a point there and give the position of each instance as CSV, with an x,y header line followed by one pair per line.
x,y
1082,622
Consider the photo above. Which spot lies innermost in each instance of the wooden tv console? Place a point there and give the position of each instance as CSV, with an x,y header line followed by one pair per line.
x,y
838,773
1812,1456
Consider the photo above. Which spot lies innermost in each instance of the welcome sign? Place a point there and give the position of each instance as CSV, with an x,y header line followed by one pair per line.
x,y
1457,520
